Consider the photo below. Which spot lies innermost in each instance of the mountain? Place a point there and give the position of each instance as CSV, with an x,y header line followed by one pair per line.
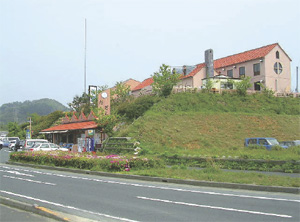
x,y
19,111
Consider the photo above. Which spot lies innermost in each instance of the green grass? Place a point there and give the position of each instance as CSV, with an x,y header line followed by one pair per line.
x,y
189,124
220,176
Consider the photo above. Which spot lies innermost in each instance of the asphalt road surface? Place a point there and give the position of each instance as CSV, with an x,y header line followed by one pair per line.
x,y
112,199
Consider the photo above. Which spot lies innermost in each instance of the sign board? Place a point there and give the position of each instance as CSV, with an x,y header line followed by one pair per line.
x,y
28,134
104,101
91,132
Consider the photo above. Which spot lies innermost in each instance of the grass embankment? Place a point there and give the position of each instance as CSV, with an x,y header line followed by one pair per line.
x,y
210,125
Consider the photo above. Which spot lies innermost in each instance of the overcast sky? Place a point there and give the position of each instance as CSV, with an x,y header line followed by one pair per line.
x,y
42,41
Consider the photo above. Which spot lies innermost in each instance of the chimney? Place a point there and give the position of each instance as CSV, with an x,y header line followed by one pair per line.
x,y
184,70
209,63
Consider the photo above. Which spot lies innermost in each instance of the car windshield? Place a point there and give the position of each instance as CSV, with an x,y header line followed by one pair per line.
x,y
296,143
272,141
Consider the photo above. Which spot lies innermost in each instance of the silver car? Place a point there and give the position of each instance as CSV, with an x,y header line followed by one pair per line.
x,y
46,147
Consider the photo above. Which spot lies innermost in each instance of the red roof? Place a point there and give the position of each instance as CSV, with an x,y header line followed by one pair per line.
x,y
244,56
194,71
72,126
146,82
235,59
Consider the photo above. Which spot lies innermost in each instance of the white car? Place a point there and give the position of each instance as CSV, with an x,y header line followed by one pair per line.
x,y
12,144
47,147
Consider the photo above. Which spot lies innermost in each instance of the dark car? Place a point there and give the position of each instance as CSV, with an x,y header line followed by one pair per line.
x,y
266,142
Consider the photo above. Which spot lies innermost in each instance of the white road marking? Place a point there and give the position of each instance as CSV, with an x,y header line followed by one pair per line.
x,y
215,207
17,173
28,180
68,207
157,187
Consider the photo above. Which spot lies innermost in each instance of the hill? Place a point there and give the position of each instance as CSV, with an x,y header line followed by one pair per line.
x,y
19,111
199,123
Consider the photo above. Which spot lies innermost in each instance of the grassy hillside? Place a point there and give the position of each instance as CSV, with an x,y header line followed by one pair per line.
x,y
19,111
214,125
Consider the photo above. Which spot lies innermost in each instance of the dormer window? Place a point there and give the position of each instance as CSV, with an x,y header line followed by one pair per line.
x,y
277,55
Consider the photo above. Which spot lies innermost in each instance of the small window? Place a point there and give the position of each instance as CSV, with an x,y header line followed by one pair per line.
x,y
262,142
257,86
256,69
242,71
230,73
278,67
252,141
277,55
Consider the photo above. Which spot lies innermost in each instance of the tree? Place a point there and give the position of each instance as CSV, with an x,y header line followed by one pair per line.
x,y
86,102
242,86
81,104
208,85
106,122
164,81
120,93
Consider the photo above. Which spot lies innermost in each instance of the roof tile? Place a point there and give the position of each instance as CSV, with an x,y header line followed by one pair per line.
x,y
72,126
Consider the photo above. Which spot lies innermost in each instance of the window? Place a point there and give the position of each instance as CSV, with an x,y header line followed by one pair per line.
x,y
226,85
278,67
263,142
257,86
252,141
256,69
277,55
230,73
242,71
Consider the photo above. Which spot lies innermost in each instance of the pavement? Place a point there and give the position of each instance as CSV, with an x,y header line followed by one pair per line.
x,y
10,209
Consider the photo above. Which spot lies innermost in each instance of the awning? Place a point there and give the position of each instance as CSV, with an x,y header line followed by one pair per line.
x,y
61,131
63,128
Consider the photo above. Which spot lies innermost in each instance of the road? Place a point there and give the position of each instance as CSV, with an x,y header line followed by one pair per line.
x,y
112,199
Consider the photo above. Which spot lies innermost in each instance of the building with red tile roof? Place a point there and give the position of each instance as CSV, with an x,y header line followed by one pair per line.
x,y
143,88
269,65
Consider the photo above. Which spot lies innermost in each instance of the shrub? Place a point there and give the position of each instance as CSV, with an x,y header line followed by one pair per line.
x,y
138,107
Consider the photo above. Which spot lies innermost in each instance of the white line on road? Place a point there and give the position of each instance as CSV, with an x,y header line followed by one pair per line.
x,y
17,173
157,187
64,206
28,180
215,207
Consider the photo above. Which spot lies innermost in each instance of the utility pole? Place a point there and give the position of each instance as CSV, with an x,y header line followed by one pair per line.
x,y
297,79
85,41
30,127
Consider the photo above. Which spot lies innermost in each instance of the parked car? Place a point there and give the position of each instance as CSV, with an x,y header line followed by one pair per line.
x,y
12,144
29,143
46,147
266,142
290,143
5,143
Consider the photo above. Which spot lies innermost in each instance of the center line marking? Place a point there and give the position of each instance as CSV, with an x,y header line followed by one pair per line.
x,y
215,207
28,180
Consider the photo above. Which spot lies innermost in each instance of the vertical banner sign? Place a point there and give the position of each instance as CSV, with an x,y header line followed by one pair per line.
x,y
28,134
104,101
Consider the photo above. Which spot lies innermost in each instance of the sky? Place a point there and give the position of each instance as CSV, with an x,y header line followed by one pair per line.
x,y
42,42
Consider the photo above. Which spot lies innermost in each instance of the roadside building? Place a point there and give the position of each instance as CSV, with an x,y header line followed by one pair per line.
x,y
82,131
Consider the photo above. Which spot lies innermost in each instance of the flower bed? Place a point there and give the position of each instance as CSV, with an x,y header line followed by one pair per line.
x,y
89,161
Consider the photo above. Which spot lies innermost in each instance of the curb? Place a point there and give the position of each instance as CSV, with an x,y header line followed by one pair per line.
x,y
292,190
32,208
